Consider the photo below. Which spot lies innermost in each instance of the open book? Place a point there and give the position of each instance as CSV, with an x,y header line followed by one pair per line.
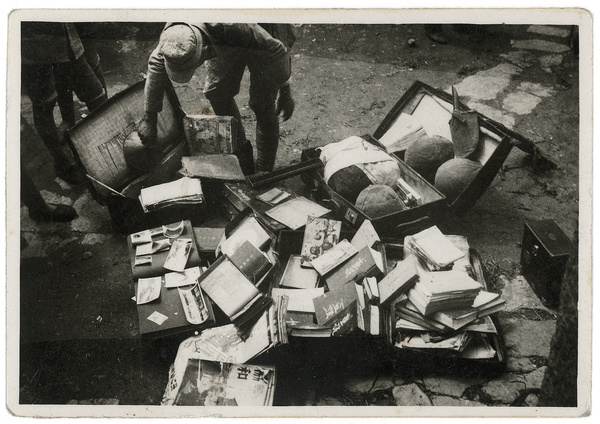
x,y
232,291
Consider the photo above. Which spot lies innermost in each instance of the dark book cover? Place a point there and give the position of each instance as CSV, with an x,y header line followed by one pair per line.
x,y
253,263
207,239
334,302
359,266
345,321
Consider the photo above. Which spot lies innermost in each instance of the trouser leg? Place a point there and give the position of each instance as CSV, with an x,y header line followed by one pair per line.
x,y
30,195
43,118
88,87
267,139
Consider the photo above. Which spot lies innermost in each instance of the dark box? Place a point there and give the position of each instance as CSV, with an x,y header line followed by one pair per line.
x,y
544,254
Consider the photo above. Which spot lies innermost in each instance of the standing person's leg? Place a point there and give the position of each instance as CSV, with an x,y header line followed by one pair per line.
x,y
87,86
224,75
263,97
37,207
38,81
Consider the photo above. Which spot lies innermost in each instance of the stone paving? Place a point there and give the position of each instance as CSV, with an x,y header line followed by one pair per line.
x,y
527,325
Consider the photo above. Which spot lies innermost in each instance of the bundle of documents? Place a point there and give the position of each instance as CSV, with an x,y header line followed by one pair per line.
x,y
184,191
441,290
433,248
402,133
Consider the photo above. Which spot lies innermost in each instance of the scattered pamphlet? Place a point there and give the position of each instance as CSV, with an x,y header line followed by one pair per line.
x,y
148,290
273,196
142,260
141,237
210,383
295,212
194,305
320,235
185,278
152,247
157,318
178,255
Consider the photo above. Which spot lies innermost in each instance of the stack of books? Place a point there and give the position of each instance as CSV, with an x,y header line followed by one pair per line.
x,y
446,309
440,290
184,191
434,249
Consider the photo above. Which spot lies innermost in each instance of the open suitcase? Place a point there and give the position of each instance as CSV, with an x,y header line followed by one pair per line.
x,y
423,102
98,144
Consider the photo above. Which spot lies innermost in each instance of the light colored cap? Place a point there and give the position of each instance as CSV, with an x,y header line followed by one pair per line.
x,y
181,46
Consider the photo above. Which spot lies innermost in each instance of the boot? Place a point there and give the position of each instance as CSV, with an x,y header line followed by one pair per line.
x,y
246,157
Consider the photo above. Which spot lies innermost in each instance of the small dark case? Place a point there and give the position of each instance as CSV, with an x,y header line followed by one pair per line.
x,y
544,254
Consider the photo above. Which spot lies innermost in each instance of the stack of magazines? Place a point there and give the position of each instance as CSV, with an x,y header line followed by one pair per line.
x,y
434,249
184,191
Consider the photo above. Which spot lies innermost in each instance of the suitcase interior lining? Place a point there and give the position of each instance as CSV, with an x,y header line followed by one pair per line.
x,y
424,106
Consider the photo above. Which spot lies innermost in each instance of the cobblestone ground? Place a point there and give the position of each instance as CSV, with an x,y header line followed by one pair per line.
x,y
78,326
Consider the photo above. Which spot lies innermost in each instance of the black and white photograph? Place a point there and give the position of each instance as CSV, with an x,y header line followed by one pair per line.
x,y
450,149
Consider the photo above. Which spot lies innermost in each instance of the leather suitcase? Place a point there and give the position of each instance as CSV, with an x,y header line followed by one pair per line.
x,y
422,101
97,142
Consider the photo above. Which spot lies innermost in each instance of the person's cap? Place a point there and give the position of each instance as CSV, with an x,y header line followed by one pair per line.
x,y
181,46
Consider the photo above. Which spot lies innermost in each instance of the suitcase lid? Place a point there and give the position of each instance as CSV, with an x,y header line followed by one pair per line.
x,y
98,139
422,102
550,235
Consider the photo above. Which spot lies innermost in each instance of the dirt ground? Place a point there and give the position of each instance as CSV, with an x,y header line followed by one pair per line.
x,y
346,78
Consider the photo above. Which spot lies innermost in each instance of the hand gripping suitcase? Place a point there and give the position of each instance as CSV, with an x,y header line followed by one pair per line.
x,y
98,144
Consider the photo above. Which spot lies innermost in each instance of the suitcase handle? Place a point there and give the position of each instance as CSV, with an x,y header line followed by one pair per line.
x,y
411,227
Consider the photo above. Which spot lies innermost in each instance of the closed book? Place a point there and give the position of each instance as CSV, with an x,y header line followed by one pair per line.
x,y
333,302
156,266
398,281
435,248
364,264
253,263
491,308
455,318
372,320
207,239
345,321
320,235
334,257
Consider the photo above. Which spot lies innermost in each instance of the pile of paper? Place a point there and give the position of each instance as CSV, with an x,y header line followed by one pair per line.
x,y
184,191
402,133
434,249
441,290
